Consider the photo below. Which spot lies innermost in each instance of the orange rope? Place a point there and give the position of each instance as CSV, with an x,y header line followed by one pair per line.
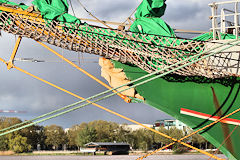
x,y
115,113
2,60
230,114
157,150
149,154
126,99
225,141
19,11
10,62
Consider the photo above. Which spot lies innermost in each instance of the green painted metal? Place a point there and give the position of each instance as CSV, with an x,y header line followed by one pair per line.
x,y
170,97
164,95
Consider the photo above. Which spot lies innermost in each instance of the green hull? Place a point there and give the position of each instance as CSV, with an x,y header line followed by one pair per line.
x,y
170,97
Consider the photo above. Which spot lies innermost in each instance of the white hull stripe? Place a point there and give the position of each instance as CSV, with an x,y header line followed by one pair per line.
x,y
208,116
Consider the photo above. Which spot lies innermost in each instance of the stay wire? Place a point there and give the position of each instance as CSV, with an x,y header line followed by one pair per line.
x,y
225,141
195,132
122,115
130,15
93,102
122,91
100,21
113,113
130,83
70,1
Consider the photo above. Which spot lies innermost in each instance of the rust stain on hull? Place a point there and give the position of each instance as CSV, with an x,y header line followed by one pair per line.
x,y
225,128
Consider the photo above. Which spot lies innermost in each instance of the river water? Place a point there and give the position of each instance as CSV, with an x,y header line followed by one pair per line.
x,y
115,157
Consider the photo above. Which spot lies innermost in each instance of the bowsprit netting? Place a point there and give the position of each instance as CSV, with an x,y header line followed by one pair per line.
x,y
148,52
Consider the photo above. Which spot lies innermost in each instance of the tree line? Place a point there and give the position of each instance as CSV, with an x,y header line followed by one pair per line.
x,y
54,137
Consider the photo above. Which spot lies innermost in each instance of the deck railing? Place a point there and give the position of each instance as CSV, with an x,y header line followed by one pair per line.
x,y
225,18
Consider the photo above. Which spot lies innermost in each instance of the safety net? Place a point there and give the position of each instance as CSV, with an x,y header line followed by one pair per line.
x,y
48,21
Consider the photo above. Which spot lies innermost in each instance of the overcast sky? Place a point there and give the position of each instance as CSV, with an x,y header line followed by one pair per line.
x,y
21,92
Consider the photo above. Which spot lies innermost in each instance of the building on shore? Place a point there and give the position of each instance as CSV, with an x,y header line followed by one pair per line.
x,y
167,123
135,127
107,147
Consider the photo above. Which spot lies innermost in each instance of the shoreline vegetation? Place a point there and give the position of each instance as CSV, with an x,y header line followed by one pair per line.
x,y
53,139
79,153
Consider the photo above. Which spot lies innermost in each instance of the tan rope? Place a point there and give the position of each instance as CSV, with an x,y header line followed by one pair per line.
x,y
126,99
148,52
110,111
100,21
199,130
224,141
130,14
70,1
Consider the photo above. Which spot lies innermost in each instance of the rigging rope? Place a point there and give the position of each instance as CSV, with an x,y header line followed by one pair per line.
x,y
107,109
130,15
126,99
138,49
147,81
169,72
70,1
93,102
116,93
100,21
224,141
195,132
143,77
109,90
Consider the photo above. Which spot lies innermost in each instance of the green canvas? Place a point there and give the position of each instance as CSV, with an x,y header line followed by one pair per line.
x,y
55,9
148,19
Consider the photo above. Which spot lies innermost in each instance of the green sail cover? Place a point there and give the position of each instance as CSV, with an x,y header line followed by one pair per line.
x,y
209,36
55,9
12,3
151,8
152,26
148,19
50,9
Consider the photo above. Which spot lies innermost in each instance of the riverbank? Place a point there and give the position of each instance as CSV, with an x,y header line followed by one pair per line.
x,y
78,153
108,157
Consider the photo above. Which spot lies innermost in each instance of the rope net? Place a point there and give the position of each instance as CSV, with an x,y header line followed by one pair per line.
x,y
148,52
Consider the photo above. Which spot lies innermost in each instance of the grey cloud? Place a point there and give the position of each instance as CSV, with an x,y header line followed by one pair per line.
x,y
107,9
188,14
21,92
183,11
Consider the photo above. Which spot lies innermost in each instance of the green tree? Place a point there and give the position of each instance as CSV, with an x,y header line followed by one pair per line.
x,y
144,139
123,134
34,135
4,123
172,132
72,136
160,139
105,131
86,135
100,131
4,143
55,136
19,144
177,134
199,140
8,121
73,133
